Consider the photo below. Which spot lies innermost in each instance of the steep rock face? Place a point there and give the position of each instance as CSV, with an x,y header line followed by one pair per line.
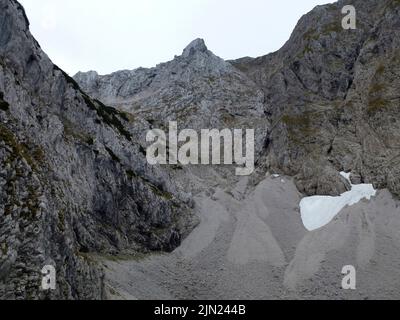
x,y
197,89
326,102
73,182
332,97
73,176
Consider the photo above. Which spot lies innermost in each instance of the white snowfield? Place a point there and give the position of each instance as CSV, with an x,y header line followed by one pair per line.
x,y
318,211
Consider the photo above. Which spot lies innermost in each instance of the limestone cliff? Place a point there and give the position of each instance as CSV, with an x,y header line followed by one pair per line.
x,y
73,182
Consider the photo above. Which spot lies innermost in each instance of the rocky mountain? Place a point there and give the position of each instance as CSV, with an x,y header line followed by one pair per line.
x,y
197,89
77,191
326,102
333,94
72,179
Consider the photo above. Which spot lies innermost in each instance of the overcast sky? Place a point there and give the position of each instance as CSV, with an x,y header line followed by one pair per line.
x,y
106,36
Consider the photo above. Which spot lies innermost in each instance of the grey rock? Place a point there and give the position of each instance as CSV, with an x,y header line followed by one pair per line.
x,y
74,180
329,96
195,46
73,183
321,180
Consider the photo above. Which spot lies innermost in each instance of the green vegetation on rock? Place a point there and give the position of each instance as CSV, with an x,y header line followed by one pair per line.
x,y
109,115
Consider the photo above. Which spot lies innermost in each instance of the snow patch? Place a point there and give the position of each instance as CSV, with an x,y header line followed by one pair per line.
x,y
318,211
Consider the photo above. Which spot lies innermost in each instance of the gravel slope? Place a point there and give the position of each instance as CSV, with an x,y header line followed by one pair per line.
x,y
253,246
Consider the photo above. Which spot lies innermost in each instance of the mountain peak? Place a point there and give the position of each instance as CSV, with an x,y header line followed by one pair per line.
x,y
197,45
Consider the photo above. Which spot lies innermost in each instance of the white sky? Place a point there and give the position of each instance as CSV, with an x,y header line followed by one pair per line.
x,y
106,36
